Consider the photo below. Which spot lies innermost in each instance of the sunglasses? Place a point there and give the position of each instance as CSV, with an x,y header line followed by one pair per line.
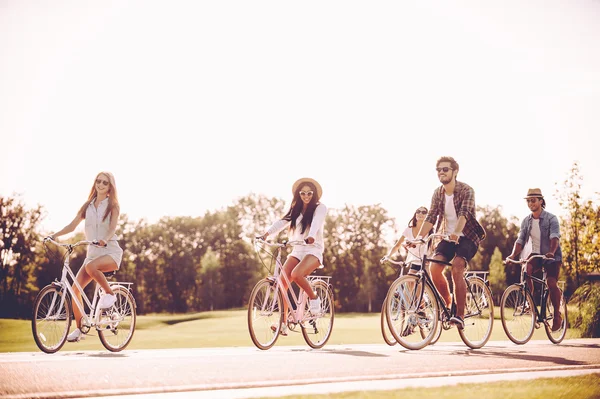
x,y
532,200
422,212
105,182
308,193
445,169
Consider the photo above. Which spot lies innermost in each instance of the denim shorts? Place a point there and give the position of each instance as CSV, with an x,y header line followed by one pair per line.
x,y
465,249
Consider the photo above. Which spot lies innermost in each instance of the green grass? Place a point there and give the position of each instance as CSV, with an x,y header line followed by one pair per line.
x,y
224,329
580,387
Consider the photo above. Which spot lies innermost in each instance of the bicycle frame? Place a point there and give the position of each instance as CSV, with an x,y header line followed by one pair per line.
x,y
541,314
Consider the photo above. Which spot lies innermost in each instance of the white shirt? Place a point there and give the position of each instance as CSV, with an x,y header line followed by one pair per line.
x,y
411,253
536,235
450,215
315,230
95,228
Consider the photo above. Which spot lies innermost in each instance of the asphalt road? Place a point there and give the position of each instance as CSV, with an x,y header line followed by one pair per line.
x,y
225,371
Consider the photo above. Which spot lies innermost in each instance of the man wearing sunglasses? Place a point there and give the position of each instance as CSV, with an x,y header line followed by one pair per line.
x,y
543,230
453,208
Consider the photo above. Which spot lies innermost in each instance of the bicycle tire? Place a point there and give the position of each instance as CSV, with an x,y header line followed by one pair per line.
x,y
517,314
317,330
438,332
408,296
388,338
121,318
479,314
557,336
263,313
51,335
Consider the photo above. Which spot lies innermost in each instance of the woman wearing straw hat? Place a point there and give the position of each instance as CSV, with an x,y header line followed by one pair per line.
x,y
305,220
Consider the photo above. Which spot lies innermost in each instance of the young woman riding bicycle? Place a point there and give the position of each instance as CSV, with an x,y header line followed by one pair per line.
x,y
305,219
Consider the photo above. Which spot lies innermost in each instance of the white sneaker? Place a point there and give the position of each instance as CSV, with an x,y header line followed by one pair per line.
x,y
75,336
283,331
314,305
106,301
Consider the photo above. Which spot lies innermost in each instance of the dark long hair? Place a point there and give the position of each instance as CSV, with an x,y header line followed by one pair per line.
x,y
296,208
413,221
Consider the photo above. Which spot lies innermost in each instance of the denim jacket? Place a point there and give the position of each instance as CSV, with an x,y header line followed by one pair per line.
x,y
549,229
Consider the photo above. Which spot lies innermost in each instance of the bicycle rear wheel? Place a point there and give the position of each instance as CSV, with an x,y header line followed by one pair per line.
x,y
51,319
517,314
385,330
412,312
438,332
479,314
264,311
317,329
557,336
117,323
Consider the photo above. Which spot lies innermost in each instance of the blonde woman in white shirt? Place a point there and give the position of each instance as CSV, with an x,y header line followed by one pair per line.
x,y
414,256
101,214
305,220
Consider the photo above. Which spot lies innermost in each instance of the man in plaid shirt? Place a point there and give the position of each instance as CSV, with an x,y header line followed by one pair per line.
x,y
453,207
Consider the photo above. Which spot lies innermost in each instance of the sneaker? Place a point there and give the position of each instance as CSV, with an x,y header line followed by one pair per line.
x,y
283,331
458,322
524,309
557,323
75,336
314,305
106,301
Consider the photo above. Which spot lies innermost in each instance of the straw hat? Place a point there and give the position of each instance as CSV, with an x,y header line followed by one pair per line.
x,y
534,193
299,182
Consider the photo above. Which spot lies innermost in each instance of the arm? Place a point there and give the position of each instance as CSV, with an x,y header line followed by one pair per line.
x,y
114,219
68,228
554,236
317,223
275,228
520,243
460,225
396,247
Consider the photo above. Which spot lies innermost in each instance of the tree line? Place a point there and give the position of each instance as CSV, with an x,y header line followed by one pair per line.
x,y
185,264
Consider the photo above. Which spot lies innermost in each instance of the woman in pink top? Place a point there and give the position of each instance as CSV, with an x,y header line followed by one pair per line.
x,y
101,214
305,220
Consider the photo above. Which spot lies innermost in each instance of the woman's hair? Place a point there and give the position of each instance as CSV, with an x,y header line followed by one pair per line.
x,y
113,198
297,205
413,221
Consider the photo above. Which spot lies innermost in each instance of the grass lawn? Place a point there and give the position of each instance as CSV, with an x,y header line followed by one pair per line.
x,y
224,328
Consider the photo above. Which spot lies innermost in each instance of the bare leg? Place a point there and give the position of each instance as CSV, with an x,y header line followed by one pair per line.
x,y
529,281
288,266
96,269
436,270
303,269
83,278
460,286
555,299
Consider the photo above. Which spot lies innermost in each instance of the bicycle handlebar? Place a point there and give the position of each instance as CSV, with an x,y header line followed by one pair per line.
x,y
524,261
283,244
421,241
78,243
385,259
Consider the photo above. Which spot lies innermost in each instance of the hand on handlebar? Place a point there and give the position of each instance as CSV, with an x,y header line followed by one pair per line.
x,y
384,259
309,240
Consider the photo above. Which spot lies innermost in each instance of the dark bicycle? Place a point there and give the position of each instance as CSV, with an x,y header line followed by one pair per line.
x,y
519,314
414,308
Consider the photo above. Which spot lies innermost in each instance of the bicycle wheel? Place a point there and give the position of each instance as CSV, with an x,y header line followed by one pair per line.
x,y
51,319
438,332
556,336
479,314
517,314
412,312
265,310
317,329
117,323
385,330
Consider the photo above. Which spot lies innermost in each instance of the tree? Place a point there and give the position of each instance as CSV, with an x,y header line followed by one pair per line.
x,y
18,239
497,277
210,290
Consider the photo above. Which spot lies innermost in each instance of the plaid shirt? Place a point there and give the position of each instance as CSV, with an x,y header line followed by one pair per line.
x,y
464,203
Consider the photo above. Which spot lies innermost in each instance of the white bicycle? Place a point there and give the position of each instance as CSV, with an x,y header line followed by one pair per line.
x,y
52,310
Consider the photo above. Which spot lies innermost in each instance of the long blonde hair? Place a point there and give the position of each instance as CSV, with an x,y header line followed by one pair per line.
x,y
113,198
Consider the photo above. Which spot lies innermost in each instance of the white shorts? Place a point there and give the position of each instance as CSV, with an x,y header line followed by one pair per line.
x,y
301,252
112,249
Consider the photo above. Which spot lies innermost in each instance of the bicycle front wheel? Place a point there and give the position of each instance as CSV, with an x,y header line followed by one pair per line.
x,y
385,330
317,328
557,336
517,314
51,319
412,312
117,323
479,314
265,314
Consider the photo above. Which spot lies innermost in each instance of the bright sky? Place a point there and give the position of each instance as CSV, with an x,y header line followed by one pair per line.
x,y
194,104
